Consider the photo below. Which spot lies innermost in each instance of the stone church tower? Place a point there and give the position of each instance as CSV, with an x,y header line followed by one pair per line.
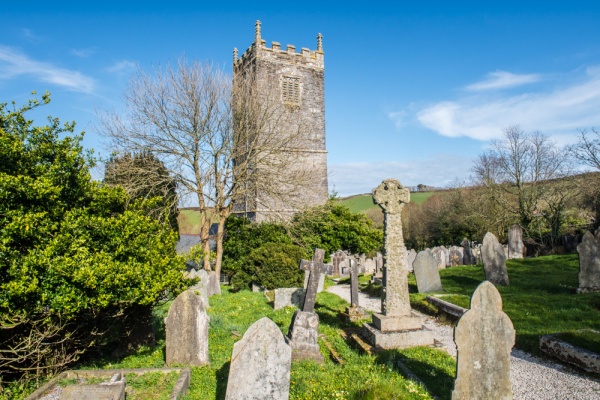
x,y
295,82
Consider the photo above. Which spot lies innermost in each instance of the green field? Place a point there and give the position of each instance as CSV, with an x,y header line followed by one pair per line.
x,y
363,202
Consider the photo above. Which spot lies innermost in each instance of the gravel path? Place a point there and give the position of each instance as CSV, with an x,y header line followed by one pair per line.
x,y
532,377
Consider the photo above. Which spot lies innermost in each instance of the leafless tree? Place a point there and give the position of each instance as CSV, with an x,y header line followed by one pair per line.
x,y
221,140
517,171
587,149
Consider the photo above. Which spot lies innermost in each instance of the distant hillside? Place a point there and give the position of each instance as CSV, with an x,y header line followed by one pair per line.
x,y
362,203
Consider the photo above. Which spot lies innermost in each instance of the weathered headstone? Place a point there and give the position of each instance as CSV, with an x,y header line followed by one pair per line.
x,y
260,364
569,243
468,258
201,288
288,297
412,254
378,263
337,259
302,336
515,242
369,266
186,328
439,257
589,264
214,286
494,260
396,326
355,311
455,256
484,338
446,254
427,273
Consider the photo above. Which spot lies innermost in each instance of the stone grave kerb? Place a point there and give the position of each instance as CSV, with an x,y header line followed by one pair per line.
x,y
316,268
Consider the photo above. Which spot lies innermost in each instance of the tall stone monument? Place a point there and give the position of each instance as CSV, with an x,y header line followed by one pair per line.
x,y
494,260
260,364
589,264
515,242
484,338
396,326
468,258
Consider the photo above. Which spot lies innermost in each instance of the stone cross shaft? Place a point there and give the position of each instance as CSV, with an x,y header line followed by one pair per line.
x,y
353,282
316,269
391,196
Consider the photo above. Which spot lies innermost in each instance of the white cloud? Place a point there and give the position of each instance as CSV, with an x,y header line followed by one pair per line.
x,y
440,171
121,67
503,80
482,117
14,63
83,53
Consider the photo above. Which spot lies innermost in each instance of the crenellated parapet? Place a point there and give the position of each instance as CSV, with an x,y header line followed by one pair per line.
x,y
259,51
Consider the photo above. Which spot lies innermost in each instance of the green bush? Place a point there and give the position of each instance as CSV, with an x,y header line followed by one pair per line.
x,y
276,265
241,237
77,270
333,227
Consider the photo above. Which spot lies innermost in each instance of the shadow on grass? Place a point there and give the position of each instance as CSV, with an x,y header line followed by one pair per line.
x,y
222,375
438,382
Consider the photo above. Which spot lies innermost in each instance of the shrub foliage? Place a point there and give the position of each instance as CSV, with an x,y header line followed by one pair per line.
x,y
75,266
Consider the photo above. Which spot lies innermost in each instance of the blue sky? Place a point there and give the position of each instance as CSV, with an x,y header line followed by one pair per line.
x,y
414,89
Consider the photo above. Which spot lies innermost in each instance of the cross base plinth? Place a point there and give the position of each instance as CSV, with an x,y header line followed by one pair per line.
x,y
387,323
302,336
399,339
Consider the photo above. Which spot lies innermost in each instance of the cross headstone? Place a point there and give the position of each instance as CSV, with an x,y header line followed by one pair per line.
x,y
427,273
494,260
260,364
484,337
355,311
391,196
589,264
186,329
378,263
316,269
515,242
396,326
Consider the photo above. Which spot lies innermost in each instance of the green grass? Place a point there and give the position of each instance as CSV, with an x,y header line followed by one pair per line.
x,y
540,299
151,385
363,202
587,339
361,376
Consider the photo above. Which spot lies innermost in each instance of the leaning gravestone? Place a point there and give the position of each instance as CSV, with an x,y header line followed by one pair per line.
x,y
589,264
260,364
396,326
304,329
494,260
186,328
427,273
515,242
484,337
